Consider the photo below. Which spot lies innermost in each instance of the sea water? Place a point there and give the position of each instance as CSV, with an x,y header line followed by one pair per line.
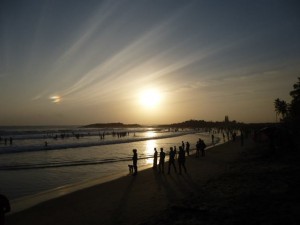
x,y
44,158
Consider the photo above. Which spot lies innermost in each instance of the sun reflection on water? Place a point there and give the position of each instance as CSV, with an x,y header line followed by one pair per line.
x,y
150,145
150,134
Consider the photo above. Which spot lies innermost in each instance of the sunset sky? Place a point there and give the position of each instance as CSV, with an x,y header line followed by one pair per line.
x,y
74,62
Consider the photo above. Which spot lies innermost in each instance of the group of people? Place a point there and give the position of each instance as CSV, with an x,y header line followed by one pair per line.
x,y
180,156
172,159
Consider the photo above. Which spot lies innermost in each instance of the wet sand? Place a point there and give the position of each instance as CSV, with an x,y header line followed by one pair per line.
x,y
149,197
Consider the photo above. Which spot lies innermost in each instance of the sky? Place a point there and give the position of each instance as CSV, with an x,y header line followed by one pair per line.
x,y
73,62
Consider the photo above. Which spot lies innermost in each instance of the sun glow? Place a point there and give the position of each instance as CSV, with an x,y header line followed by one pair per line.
x,y
55,99
150,98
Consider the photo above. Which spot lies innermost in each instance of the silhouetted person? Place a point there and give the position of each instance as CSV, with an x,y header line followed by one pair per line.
x,y
213,139
182,144
161,165
175,152
171,160
155,159
4,208
181,159
202,147
187,148
134,161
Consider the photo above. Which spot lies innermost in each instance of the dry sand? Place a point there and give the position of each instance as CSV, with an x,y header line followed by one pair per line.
x,y
218,188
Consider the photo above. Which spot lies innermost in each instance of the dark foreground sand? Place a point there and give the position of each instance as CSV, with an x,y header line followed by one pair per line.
x,y
231,185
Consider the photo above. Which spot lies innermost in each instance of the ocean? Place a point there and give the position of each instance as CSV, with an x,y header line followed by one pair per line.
x,y
38,159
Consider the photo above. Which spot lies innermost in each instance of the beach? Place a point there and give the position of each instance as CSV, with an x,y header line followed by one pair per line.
x,y
225,186
32,172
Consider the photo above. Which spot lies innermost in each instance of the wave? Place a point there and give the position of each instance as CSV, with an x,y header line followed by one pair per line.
x,y
67,163
21,133
31,148
13,165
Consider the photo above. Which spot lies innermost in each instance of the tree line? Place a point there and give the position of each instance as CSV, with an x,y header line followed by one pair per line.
x,y
289,113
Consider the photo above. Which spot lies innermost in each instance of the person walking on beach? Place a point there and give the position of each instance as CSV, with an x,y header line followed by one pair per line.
x,y
181,159
155,159
161,165
171,160
134,161
188,148
4,208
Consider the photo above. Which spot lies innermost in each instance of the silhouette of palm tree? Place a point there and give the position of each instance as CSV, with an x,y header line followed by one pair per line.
x,y
295,104
281,108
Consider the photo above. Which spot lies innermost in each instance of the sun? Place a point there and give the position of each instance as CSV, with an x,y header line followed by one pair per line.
x,y
55,99
150,98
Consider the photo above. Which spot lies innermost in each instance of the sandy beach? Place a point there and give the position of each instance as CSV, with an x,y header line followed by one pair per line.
x,y
227,186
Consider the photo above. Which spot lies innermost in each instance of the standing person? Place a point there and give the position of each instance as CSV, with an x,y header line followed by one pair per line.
x,y
175,152
202,147
4,208
188,148
134,161
181,159
213,139
155,159
161,165
172,160
182,144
